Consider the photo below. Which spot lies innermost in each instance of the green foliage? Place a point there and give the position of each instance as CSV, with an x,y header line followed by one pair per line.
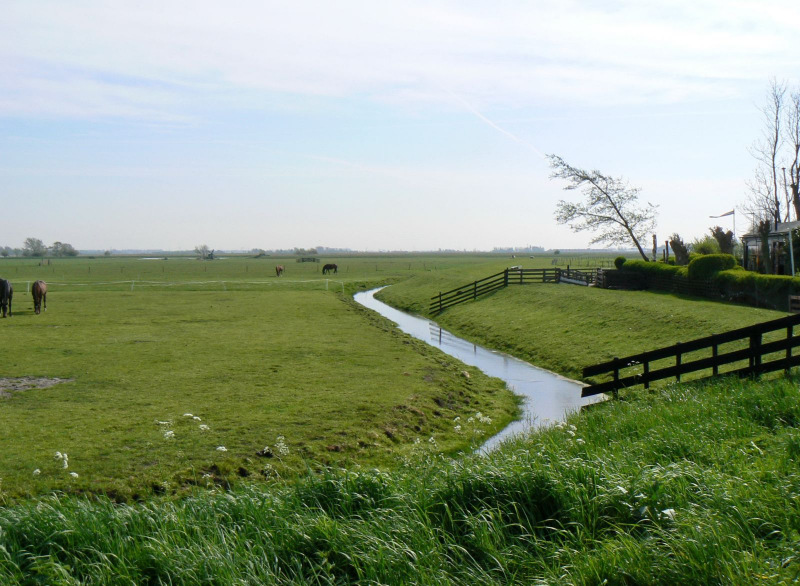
x,y
740,282
619,261
706,266
705,245
688,485
655,268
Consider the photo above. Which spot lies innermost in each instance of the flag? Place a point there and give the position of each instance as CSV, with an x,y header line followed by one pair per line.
x,y
730,213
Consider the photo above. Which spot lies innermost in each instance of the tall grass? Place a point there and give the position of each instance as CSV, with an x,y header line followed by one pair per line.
x,y
690,485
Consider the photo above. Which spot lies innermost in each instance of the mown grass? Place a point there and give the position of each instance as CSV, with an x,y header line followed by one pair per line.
x,y
566,327
336,381
690,485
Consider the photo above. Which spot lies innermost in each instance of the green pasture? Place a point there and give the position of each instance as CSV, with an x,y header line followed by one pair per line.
x,y
565,327
253,357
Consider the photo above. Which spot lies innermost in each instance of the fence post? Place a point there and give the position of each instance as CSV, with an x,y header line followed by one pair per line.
x,y
646,375
714,354
755,352
678,361
789,334
440,302
505,278
475,290
616,377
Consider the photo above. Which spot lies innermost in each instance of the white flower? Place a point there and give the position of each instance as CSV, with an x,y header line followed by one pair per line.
x,y
457,419
37,472
457,428
431,440
169,434
416,440
196,418
281,447
58,456
188,415
73,474
162,422
203,427
580,441
669,514
222,449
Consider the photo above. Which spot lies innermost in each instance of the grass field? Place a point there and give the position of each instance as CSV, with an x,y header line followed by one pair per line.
x,y
693,485
687,484
251,359
566,327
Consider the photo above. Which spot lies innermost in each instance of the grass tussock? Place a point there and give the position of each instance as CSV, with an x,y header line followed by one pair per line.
x,y
693,484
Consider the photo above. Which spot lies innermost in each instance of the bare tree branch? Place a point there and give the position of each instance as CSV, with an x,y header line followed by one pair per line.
x,y
610,208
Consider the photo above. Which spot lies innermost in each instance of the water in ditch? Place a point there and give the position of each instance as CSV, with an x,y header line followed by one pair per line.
x,y
547,397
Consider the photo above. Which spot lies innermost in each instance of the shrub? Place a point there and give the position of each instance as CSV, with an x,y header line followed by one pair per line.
x,y
619,261
654,268
706,266
706,245
760,290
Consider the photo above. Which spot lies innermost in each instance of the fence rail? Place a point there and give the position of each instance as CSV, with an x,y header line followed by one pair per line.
x,y
510,276
638,368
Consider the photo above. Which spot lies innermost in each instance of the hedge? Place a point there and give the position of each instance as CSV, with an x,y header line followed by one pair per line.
x,y
704,267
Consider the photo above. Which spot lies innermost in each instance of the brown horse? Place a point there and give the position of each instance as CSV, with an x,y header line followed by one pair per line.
x,y
330,267
39,292
279,270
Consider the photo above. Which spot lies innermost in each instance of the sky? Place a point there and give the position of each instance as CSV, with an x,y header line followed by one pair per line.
x,y
370,125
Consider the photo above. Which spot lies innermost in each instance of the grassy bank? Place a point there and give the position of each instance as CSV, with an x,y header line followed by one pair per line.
x,y
566,327
692,485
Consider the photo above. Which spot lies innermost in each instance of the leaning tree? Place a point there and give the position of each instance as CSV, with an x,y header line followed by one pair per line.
x,y
610,208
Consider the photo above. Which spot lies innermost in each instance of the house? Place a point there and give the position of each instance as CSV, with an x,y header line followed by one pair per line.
x,y
781,254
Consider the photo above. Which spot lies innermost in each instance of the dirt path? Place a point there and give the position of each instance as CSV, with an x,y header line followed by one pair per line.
x,y
14,385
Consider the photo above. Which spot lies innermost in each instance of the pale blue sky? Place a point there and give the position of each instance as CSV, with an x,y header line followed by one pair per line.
x,y
410,125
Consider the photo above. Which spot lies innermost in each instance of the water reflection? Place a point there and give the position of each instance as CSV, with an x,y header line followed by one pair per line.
x,y
547,397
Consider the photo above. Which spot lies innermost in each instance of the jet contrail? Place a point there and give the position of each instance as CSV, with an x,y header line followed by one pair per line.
x,y
510,135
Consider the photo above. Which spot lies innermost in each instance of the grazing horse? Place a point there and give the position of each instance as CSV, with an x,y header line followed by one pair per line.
x,y
6,292
279,270
39,292
330,267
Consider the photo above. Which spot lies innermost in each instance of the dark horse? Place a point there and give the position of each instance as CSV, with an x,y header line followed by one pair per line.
x,y
39,292
328,268
6,292
279,270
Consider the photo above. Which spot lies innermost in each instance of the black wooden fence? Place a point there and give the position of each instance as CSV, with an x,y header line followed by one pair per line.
x,y
512,276
744,344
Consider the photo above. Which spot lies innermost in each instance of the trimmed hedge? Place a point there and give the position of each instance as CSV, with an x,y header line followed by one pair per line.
x,y
653,268
734,282
705,266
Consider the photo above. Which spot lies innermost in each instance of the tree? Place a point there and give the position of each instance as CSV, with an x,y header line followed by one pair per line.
x,y
63,249
204,252
724,239
680,250
33,247
773,196
611,207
